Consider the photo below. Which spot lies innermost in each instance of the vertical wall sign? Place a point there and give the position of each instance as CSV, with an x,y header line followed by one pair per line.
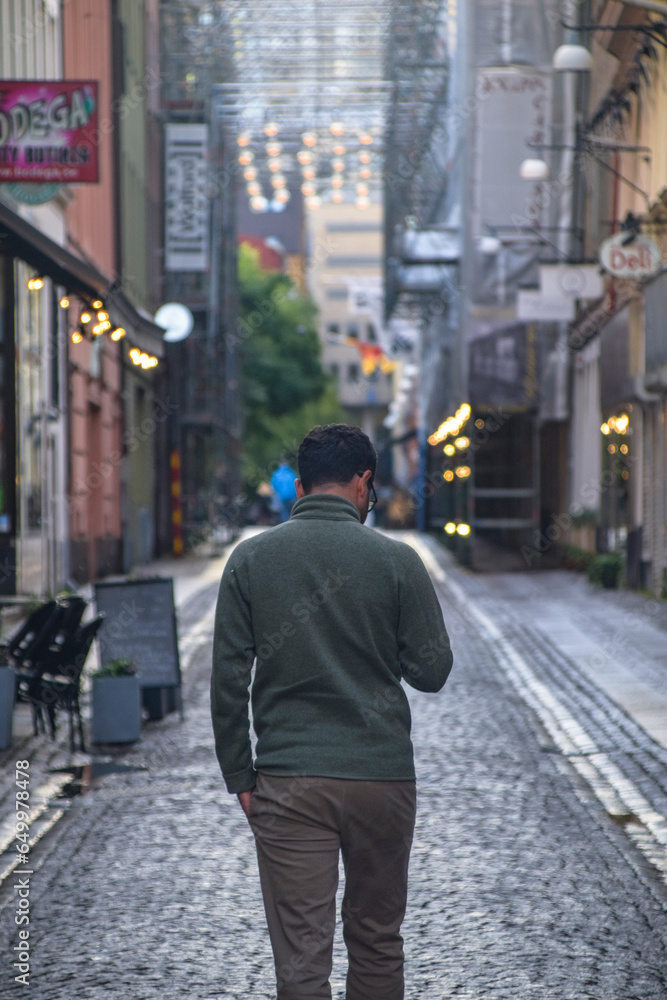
x,y
187,205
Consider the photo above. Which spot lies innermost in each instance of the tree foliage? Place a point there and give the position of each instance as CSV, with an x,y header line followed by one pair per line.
x,y
285,389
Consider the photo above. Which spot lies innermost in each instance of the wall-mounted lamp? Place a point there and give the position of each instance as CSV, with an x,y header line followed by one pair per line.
x,y
572,58
534,170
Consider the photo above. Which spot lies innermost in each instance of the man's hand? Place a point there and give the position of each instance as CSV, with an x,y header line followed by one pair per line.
x,y
244,799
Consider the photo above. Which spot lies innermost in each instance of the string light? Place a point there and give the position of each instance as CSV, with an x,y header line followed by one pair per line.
x,y
463,471
452,426
77,336
462,443
35,283
98,304
449,449
85,317
118,333
141,359
463,529
450,528
64,302
448,475
366,140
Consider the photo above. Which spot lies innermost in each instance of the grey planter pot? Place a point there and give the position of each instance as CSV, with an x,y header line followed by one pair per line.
x,y
116,710
7,695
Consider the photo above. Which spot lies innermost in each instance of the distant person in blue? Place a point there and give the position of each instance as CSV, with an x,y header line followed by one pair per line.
x,y
282,482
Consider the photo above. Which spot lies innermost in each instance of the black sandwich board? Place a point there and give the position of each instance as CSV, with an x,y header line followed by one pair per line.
x,y
140,626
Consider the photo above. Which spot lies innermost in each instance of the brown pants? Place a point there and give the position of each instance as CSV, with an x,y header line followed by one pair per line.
x,y
300,824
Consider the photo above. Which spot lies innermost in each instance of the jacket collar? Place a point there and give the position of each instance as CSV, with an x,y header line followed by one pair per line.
x,y
325,506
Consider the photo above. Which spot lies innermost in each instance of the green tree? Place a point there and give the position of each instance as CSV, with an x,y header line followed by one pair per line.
x,y
285,389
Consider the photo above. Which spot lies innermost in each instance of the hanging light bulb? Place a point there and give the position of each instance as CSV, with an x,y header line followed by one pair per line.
x,y
313,201
274,165
259,204
309,139
278,181
366,139
282,196
245,159
337,128
337,197
338,165
363,203
308,190
337,182
271,129
365,173
365,157
250,174
339,149
304,157
309,173
273,149
362,189
244,139
254,189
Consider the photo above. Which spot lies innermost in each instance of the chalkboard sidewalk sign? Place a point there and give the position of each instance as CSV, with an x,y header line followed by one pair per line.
x,y
141,626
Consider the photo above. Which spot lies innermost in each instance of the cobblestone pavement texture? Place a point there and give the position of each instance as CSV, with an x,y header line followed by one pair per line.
x,y
520,884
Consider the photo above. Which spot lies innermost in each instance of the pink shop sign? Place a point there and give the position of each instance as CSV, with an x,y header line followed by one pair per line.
x,y
49,131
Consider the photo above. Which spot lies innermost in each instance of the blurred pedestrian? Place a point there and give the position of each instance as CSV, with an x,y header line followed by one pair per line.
x,y
282,483
336,616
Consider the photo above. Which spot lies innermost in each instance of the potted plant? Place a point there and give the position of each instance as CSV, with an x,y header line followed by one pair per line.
x,y
116,703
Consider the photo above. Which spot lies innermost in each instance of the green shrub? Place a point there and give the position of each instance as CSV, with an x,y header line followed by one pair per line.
x,y
117,668
606,570
572,557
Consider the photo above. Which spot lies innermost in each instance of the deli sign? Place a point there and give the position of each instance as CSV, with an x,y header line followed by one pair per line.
x,y
49,131
630,256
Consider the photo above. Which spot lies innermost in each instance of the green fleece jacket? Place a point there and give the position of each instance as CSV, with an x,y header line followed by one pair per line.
x,y
337,615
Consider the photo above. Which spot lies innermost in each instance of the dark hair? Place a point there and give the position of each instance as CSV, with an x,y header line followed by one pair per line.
x,y
334,453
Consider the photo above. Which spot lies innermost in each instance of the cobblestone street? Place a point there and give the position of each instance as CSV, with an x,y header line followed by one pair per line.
x,y
539,861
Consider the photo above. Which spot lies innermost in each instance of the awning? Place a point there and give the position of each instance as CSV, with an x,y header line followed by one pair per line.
x,y
18,238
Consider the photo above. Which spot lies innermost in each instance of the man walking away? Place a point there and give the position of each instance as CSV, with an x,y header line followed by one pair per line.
x,y
337,616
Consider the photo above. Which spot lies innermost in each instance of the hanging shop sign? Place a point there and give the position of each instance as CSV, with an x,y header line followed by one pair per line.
x,y
49,131
630,255
187,206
